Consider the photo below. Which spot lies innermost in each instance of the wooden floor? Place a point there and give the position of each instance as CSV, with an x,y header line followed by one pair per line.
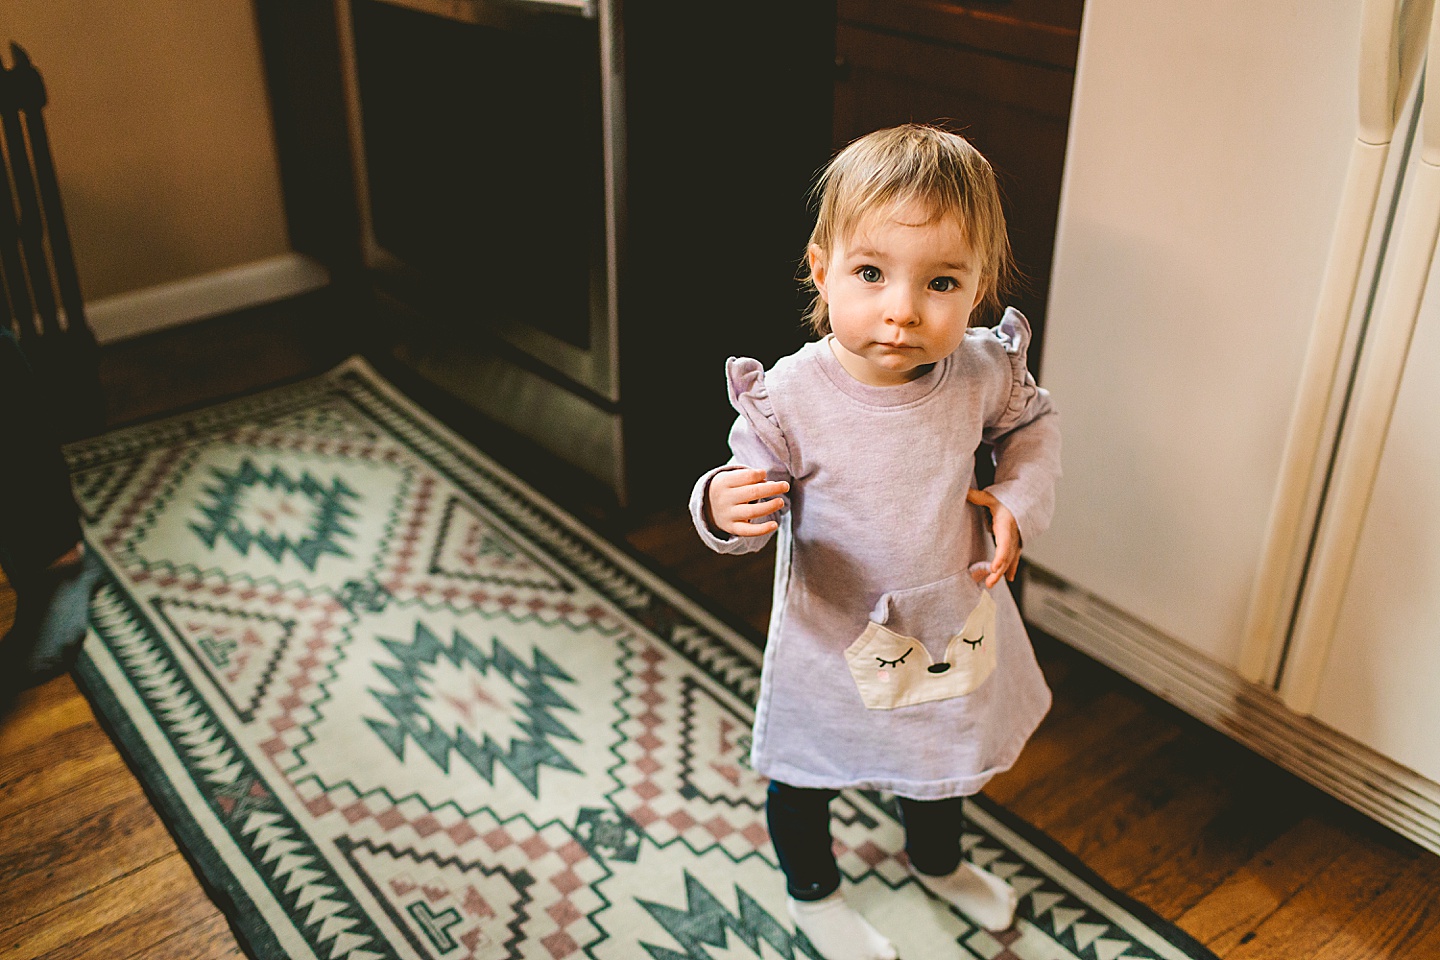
x,y
1247,859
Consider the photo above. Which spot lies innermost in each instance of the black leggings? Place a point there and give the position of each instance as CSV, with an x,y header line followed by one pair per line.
x,y
799,820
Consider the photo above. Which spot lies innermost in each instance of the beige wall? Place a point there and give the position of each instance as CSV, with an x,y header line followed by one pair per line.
x,y
161,132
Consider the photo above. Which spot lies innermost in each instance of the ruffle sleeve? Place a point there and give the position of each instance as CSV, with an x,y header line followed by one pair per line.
x,y
746,381
1013,332
756,441
1026,436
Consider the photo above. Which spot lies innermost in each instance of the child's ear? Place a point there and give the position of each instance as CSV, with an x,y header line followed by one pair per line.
x,y
982,290
818,269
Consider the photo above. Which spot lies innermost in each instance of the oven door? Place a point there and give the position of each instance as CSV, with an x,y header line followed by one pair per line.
x,y
487,152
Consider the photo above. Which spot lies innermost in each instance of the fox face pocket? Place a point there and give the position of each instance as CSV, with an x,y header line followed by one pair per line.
x,y
894,669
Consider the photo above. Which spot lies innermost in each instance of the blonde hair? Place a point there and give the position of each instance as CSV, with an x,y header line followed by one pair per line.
x,y
913,163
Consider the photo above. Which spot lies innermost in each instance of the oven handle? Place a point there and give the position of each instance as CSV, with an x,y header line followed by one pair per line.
x,y
470,11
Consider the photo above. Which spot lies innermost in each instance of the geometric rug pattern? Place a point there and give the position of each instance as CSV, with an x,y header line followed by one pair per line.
x,y
394,704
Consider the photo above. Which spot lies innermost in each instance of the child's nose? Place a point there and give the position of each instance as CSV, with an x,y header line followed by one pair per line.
x,y
901,310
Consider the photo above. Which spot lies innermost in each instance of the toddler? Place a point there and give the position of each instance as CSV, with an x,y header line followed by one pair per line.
x,y
896,657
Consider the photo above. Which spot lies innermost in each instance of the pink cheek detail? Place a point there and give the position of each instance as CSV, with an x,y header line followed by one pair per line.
x,y
882,674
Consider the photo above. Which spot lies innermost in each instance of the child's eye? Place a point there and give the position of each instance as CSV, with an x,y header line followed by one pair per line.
x,y
944,284
895,663
869,274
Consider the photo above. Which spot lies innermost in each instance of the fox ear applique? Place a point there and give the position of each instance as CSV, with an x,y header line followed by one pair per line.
x,y
893,670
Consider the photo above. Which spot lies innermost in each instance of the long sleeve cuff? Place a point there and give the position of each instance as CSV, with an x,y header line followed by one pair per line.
x,y
1031,508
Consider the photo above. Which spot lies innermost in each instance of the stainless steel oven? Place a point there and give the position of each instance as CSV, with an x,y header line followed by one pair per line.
x,y
488,137
579,208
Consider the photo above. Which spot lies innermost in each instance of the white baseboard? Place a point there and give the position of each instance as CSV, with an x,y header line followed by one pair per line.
x,y
195,298
1251,714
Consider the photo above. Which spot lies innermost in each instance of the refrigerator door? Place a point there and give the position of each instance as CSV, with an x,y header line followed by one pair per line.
x,y
1205,172
1363,656
1378,682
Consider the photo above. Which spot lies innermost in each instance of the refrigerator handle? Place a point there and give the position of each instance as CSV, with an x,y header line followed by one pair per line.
x,y
1430,119
1368,421
1379,70
1388,35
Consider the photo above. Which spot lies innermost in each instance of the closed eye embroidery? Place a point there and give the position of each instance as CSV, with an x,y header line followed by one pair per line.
x,y
895,663
975,643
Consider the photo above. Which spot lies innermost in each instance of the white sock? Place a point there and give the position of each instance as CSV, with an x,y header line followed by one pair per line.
x,y
837,931
981,896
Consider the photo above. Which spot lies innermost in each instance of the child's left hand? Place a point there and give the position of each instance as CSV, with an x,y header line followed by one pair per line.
x,y
1007,539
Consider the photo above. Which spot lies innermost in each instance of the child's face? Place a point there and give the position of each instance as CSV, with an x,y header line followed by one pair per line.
x,y
899,292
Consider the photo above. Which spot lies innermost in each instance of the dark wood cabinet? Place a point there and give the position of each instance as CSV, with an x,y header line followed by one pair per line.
x,y
1000,73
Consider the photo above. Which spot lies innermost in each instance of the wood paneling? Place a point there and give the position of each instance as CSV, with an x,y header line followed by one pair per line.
x,y
1001,74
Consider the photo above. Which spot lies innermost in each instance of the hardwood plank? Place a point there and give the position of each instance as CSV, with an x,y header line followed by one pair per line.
x,y
180,368
1079,810
39,713
1064,754
1142,817
1189,817
1311,919
71,844
1401,922
159,902
1083,714
207,939
1243,825
738,585
1230,914
1308,886
70,759
665,536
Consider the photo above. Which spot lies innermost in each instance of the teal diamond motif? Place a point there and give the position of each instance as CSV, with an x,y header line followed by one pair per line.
x,y
304,516
409,702
704,922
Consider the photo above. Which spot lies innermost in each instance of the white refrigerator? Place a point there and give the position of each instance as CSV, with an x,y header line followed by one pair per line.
x,y
1243,338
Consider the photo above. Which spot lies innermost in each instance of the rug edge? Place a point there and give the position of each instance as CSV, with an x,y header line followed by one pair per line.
x,y
252,935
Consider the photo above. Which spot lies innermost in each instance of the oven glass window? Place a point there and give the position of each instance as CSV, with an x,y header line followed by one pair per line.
x,y
484,156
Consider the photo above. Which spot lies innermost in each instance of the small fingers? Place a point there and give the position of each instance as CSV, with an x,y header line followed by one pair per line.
x,y
981,498
739,477
759,508
989,576
745,485
1005,564
742,529
761,491
743,495
1006,561
1001,565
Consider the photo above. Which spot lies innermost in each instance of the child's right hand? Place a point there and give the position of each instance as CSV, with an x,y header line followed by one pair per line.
x,y
740,496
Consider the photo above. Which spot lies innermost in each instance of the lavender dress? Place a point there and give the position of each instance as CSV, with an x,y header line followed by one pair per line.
x,y
887,666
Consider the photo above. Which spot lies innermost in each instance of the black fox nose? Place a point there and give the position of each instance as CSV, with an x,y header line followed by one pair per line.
x,y
939,668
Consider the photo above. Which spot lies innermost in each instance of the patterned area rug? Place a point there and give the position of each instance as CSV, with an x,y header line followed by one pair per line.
x,y
394,704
